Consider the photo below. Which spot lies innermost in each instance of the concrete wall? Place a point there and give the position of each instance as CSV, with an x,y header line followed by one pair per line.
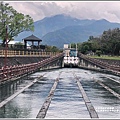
x,y
111,62
11,61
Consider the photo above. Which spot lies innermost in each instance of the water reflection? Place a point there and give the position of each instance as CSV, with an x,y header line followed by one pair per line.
x,y
67,101
10,88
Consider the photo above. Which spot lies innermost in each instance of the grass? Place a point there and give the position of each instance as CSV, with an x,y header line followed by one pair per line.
x,y
107,57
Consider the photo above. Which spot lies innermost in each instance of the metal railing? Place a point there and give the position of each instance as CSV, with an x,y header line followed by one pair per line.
x,y
12,53
100,63
18,70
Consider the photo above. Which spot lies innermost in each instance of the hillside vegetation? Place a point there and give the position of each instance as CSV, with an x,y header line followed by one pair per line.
x,y
62,29
108,43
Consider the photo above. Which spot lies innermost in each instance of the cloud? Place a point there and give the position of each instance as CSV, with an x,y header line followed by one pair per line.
x,y
109,10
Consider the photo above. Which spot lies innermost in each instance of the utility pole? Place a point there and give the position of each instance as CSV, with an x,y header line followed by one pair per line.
x,y
76,50
6,47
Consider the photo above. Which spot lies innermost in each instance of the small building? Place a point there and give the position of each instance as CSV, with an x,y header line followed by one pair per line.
x,y
69,52
32,39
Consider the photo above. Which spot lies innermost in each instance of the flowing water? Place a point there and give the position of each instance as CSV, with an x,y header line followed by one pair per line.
x,y
67,101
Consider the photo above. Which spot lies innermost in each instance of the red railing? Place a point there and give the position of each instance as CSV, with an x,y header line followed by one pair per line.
x,y
100,63
18,70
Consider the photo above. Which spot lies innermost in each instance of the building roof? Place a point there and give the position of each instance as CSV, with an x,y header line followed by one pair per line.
x,y
32,38
14,42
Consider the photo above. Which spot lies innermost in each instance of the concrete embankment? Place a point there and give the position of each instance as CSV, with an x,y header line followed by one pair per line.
x,y
19,66
101,70
11,61
111,62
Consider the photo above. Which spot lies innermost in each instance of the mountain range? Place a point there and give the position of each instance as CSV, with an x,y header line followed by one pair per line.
x,y
62,29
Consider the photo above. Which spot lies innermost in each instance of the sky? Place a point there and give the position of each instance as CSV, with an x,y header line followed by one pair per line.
x,y
109,10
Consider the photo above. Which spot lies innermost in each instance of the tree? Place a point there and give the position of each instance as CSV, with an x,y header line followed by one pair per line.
x,y
12,23
90,38
98,52
51,49
110,41
85,47
55,49
19,45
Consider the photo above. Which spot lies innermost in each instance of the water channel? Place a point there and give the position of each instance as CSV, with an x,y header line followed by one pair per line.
x,y
67,101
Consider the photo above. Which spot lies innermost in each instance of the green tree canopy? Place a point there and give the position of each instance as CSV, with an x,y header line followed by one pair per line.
x,y
52,49
12,22
110,41
98,52
107,43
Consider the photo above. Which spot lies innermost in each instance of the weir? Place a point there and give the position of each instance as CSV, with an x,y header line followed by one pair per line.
x,y
69,58
11,74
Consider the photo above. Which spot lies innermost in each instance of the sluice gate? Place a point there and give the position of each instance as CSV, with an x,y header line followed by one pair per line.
x,y
71,58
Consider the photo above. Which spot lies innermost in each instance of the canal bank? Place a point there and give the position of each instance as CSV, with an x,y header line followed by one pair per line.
x,y
8,72
107,71
110,61
20,60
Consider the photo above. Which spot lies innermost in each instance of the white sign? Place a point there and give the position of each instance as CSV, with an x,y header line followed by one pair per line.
x,y
65,45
